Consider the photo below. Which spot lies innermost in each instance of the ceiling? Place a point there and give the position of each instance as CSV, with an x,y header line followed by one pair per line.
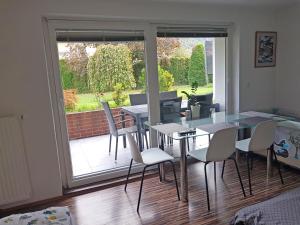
x,y
238,2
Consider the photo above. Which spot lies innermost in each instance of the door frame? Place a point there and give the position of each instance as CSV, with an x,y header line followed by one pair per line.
x,y
50,26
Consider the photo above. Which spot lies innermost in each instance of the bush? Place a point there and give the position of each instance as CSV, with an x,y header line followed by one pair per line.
x,y
210,78
67,76
118,95
111,64
70,99
165,63
166,80
138,66
179,67
196,74
71,80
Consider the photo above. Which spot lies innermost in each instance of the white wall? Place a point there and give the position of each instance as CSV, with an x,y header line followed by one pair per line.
x,y
23,80
288,73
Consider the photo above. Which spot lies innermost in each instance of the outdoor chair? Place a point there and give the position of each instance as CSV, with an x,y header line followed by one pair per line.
x,y
221,148
170,110
113,131
261,139
167,95
149,157
138,99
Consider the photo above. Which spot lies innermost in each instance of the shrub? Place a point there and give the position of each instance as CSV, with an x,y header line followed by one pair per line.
x,y
165,63
196,74
70,99
71,80
179,67
66,74
138,66
118,95
166,80
111,64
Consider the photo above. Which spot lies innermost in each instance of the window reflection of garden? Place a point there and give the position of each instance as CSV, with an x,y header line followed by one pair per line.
x,y
113,70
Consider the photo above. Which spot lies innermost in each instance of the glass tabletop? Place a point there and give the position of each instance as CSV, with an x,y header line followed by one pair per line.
x,y
183,128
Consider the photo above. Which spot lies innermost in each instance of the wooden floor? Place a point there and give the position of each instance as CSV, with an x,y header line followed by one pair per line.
x,y
159,203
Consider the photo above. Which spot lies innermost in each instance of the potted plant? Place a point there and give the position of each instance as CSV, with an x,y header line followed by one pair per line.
x,y
192,102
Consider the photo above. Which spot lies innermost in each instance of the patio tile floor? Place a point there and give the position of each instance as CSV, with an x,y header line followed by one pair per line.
x,y
90,155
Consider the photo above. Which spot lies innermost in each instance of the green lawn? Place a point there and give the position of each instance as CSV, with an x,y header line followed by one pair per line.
x,y
88,102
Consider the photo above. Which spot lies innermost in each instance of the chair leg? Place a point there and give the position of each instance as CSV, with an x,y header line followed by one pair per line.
x,y
128,174
146,139
160,178
248,168
116,151
223,168
251,165
124,141
110,137
215,172
206,184
278,165
141,188
238,172
175,178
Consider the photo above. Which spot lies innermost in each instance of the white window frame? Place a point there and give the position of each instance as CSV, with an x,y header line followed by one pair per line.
x,y
50,26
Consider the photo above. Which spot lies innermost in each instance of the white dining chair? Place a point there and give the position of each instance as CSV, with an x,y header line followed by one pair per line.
x,y
262,139
148,158
221,147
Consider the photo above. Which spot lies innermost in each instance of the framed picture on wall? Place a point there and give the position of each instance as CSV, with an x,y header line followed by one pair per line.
x,y
265,52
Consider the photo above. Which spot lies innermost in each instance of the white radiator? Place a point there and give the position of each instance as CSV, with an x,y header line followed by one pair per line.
x,y
14,177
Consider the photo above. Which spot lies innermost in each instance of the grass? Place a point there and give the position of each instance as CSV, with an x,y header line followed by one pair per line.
x,y
88,102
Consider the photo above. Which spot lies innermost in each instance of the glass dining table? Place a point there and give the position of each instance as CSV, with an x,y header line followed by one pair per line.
x,y
183,130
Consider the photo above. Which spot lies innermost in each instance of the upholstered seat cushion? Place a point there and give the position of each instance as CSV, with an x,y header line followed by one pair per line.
x,y
243,145
199,154
154,156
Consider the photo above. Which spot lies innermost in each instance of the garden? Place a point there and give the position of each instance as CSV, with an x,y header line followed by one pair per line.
x,y
110,71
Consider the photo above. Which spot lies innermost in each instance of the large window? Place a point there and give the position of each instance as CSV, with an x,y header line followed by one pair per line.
x,y
98,66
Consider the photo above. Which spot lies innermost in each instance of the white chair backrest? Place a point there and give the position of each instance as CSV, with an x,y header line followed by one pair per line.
x,y
263,136
135,152
222,144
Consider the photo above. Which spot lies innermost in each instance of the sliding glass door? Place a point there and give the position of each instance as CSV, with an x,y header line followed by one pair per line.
x,y
103,65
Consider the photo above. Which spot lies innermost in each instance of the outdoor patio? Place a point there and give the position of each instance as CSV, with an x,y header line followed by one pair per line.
x,y
90,155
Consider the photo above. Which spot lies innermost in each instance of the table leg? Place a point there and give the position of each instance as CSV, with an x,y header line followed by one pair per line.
x,y
269,162
123,126
138,126
183,171
161,165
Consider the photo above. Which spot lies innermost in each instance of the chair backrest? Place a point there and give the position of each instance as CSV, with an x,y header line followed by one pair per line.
x,y
263,136
134,149
168,95
222,144
207,99
138,99
110,119
170,110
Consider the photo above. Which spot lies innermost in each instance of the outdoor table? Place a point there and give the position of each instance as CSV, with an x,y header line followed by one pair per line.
x,y
140,113
207,126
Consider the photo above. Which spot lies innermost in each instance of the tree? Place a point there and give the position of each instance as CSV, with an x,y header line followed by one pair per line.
x,y
179,67
66,74
167,46
76,59
137,50
197,72
165,79
111,64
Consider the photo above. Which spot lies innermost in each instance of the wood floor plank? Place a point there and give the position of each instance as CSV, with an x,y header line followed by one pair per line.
x,y
159,204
